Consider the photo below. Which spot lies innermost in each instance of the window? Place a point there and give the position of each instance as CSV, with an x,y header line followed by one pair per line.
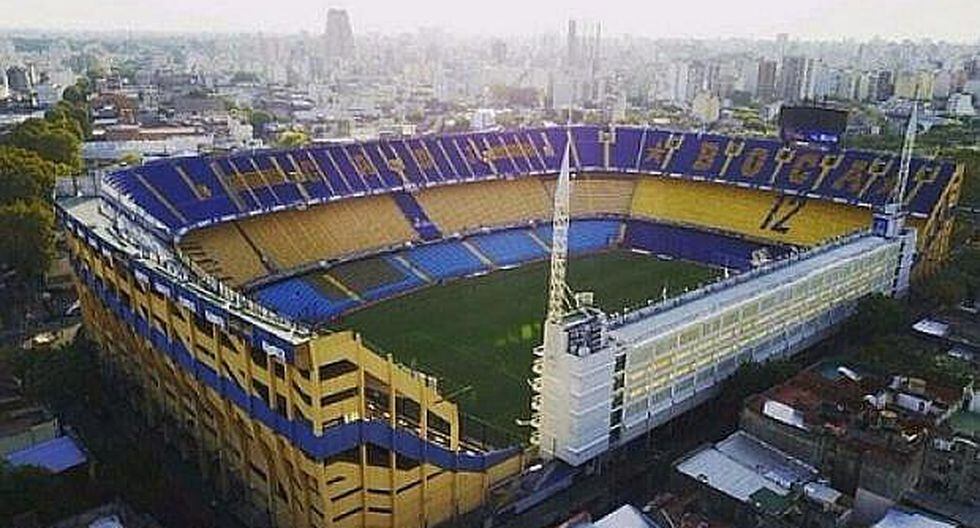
x,y
620,363
377,456
261,390
260,359
279,369
404,463
302,395
337,397
438,424
337,368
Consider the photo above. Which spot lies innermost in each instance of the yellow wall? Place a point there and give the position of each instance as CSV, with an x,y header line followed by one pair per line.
x,y
241,454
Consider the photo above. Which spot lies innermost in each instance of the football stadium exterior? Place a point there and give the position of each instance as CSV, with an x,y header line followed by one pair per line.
x,y
207,280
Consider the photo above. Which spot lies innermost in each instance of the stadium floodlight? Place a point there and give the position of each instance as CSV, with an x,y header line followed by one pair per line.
x,y
558,295
898,194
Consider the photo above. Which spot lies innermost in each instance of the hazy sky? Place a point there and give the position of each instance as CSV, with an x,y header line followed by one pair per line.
x,y
824,19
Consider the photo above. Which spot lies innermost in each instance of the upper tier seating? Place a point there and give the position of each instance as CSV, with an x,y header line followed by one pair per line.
x,y
593,195
295,237
458,208
753,213
223,252
188,192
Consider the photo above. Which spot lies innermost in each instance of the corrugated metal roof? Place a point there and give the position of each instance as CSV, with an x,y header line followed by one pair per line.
x,y
742,465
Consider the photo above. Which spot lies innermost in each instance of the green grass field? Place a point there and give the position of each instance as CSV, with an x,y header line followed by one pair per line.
x,y
477,334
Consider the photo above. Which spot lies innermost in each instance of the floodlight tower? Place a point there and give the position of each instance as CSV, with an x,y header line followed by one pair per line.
x,y
889,220
559,298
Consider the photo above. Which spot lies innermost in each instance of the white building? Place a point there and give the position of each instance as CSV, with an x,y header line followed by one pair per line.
x,y
605,380
960,105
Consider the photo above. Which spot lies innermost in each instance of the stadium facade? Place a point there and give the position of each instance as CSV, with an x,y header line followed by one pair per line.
x,y
317,428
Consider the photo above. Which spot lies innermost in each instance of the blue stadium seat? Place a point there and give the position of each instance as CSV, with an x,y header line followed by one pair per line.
x,y
301,300
444,260
694,245
586,236
588,147
627,148
409,281
509,247
416,216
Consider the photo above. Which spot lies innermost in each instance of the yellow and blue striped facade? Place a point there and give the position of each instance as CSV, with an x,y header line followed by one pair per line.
x,y
306,430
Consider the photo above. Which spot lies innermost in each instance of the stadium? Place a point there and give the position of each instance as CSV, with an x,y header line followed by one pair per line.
x,y
342,334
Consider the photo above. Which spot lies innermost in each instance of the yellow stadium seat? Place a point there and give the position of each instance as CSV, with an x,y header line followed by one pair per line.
x,y
456,208
751,212
223,251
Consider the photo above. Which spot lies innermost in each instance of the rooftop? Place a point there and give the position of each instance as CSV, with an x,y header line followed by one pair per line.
x,y
751,471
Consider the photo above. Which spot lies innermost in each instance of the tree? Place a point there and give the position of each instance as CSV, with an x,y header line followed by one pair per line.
x,y
24,175
258,119
292,138
27,237
58,141
72,116
876,316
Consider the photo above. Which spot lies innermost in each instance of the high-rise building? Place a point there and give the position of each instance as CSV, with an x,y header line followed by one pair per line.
x,y
766,85
339,36
884,87
18,79
571,45
792,78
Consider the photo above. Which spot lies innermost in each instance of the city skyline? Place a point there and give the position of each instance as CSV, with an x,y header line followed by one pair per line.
x,y
946,20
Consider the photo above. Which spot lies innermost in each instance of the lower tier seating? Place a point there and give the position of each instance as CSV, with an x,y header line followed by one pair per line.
x,y
445,260
509,247
586,236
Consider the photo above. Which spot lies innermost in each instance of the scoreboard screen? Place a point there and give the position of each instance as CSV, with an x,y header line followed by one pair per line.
x,y
807,124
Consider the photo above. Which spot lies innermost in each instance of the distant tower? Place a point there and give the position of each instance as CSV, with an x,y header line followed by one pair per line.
x,y
571,45
338,35
765,87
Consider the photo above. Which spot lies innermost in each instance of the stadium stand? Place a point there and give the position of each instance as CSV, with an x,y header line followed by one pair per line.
x,y
459,208
416,216
586,236
444,260
370,275
191,192
509,247
592,196
299,299
408,281
223,251
752,213
294,238
696,245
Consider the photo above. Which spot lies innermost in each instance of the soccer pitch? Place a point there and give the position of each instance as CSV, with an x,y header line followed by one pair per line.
x,y
476,335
